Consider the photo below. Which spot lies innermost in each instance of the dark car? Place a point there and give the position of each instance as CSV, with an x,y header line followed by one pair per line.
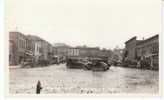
x,y
99,65
27,63
87,64
76,63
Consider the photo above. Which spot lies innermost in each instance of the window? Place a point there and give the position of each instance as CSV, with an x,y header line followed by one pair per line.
x,y
155,48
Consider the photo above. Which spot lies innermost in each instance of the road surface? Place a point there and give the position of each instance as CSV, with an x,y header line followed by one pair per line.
x,y
58,79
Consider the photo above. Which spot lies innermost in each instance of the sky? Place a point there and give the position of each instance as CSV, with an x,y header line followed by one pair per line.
x,y
103,23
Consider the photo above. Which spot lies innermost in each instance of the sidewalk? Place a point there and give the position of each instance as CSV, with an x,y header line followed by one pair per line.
x,y
17,66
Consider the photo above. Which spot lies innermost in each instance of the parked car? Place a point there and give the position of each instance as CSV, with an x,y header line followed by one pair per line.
x,y
27,63
43,63
129,63
28,60
87,64
76,63
99,65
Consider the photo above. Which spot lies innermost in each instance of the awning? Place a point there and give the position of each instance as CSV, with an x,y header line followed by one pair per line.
x,y
29,53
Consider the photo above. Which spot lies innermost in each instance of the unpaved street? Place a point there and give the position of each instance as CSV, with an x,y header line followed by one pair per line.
x,y
59,79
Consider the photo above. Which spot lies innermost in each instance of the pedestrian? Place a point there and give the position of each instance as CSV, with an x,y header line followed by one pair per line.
x,y
138,64
38,87
151,63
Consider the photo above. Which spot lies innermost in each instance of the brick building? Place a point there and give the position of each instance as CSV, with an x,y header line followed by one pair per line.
x,y
17,47
117,54
130,48
41,48
139,49
149,48
34,45
89,51
61,49
73,52
30,44
11,53
21,45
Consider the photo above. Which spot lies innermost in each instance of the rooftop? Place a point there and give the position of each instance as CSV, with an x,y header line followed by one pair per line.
x,y
148,39
133,38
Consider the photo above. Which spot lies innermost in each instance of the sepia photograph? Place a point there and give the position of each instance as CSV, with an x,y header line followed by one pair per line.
x,y
91,47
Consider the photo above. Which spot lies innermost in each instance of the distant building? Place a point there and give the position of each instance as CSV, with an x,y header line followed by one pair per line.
x,y
89,51
60,49
55,51
59,44
118,54
73,52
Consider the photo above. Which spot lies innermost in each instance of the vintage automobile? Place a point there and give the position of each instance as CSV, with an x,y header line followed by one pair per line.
x,y
87,64
28,61
99,65
76,63
94,64
58,60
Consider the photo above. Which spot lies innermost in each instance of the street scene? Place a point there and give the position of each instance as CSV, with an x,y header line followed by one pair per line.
x,y
60,68
83,47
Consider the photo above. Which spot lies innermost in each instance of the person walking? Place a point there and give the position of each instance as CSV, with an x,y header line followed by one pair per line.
x,y
38,87
151,63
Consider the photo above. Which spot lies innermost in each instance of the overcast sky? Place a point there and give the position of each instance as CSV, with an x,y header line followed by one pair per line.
x,y
104,23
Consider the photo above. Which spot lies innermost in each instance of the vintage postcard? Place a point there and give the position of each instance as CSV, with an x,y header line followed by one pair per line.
x,y
76,47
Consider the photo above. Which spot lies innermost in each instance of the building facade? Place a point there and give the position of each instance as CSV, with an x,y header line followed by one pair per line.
x,y
149,49
34,46
130,47
117,54
18,48
37,51
137,50
89,51
61,50
41,48
21,45
73,52
11,53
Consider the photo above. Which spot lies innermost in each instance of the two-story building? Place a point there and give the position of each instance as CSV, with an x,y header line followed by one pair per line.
x,y
130,48
73,52
149,48
17,47
137,50
22,46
